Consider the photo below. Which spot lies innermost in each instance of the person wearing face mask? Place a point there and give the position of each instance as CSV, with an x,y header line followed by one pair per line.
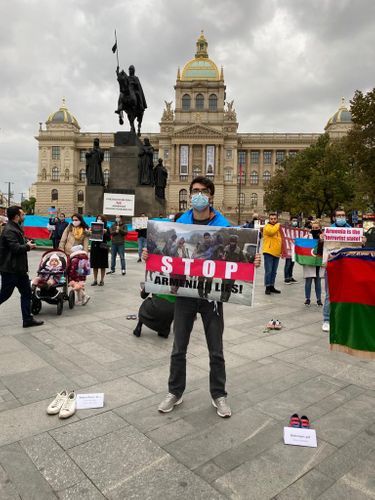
x,y
14,264
289,264
60,226
314,273
76,233
99,253
202,191
118,233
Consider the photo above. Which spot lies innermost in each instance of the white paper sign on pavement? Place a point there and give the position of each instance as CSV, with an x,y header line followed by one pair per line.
x,y
87,401
300,437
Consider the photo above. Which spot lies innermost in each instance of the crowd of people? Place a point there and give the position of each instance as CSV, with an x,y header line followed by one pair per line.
x,y
158,312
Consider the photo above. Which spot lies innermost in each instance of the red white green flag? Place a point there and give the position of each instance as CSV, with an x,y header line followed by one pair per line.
x,y
306,252
351,281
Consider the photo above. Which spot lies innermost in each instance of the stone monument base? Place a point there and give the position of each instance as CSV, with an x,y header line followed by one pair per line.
x,y
94,200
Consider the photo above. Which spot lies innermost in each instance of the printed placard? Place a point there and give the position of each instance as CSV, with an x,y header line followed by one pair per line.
x,y
345,234
207,262
97,231
139,222
118,204
88,401
300,437
288,235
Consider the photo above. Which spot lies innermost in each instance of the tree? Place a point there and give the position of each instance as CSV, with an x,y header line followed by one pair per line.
x,y
28,206
360,144
317,180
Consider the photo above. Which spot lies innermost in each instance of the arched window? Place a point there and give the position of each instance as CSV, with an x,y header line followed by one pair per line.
x,y
267,176
182,200
228,175
254,200
80,196
54,195
106,177
254,177
199,102
212,102
55,174
66,175
242,199
44,174
82,174
186,100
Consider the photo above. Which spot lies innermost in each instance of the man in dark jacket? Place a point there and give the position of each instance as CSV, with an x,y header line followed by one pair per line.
x,y
60,226
14,265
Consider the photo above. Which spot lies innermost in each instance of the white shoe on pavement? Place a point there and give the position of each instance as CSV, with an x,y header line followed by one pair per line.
x,y
57,403
325,326
169,402
69,407
222,407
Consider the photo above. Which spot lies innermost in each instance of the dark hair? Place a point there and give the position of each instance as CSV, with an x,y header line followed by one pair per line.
x,y
338,210
13,211
205,181
272,213
62,214
206,234
81,219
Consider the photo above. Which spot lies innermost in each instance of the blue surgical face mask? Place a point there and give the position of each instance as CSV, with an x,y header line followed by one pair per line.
x,y
294,223
200,201
340,221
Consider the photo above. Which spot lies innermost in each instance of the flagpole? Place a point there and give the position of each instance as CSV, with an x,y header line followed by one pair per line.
x,y
118,63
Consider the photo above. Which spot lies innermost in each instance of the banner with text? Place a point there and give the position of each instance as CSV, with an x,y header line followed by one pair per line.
x,y
336,238
118,204
288,235
207,262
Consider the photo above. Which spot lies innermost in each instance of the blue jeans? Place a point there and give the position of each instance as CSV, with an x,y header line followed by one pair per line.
x,y
318,288
10,281
270,269
118,249
326,307
142,242
288,269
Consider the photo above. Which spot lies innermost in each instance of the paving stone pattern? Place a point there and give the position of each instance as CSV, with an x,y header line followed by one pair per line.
x,y
127,450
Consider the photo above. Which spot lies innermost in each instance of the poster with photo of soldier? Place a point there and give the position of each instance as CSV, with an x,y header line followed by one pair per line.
x,y
207,262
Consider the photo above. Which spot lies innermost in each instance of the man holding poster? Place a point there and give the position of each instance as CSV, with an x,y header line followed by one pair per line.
x,y
202,191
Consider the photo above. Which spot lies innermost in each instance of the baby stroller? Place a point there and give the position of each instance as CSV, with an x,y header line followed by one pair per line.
x,y
51,282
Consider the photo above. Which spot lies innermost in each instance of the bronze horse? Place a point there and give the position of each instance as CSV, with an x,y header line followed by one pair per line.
x,y
131,99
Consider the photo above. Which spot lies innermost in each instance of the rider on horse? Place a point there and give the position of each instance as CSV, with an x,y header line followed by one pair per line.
x,y
131,99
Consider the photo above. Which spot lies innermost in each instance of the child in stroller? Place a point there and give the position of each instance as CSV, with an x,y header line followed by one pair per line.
x,y
51,271
79,268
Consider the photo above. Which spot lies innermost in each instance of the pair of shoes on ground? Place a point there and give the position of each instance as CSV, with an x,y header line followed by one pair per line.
x,y
274,324
271,289
297,422
95,283
308,303
325,326
170,401
290,281
64,404
131,316
32,322
123,272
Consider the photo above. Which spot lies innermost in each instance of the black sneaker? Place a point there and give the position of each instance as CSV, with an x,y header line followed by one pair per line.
x,y
319,303
273,290
110,272
267,291
139,260
288,281
292,280
307,302
32,322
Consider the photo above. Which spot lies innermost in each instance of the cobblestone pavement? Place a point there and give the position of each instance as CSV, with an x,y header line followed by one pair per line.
x,y
128,450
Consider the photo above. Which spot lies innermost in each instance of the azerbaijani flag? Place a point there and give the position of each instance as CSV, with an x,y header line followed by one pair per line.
x,y
351,281
306,252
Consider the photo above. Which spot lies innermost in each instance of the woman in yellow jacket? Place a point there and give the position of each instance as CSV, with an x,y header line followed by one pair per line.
x,y
271,252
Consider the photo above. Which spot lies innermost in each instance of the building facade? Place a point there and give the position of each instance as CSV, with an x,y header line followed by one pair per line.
x,y
198,136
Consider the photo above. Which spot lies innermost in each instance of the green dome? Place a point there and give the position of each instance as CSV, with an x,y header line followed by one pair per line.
x,y
201,67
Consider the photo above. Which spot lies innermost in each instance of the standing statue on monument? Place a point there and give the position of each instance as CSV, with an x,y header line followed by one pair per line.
x,y
160,179
94,158
146,164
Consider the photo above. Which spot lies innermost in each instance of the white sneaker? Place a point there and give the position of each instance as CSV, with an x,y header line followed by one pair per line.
x,y
57,403
85,299
69,407
325,326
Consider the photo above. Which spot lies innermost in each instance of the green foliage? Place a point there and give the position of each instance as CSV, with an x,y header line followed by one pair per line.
x,y
28,206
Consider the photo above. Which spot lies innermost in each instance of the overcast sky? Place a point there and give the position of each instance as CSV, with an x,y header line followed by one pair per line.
x,y
286,62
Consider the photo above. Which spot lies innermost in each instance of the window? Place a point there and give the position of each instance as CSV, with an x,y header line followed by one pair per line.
x,y
228,154
55,152
44,174
106,155
228,175
267,157
106,177
82,155
166,154
241,177
80,196
196,171
254,157
212,102
242,158
267,176
55,174
254,200
254,177
186,100
54,195
156,156
182,200
199,102
82,175
280,157
80,210
66,175
241,199
292,154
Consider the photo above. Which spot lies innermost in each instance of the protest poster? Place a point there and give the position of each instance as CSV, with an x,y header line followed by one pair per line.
x,y
139,222
97,231
336,238
288,235
208,262
118,204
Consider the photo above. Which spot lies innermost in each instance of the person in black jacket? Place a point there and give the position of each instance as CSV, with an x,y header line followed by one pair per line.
x,y
14,265
60,226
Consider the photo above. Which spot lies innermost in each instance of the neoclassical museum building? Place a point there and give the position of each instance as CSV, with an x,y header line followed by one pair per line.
x,y
198,136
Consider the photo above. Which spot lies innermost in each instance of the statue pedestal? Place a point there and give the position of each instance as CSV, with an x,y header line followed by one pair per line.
x,y
94,200
124,175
